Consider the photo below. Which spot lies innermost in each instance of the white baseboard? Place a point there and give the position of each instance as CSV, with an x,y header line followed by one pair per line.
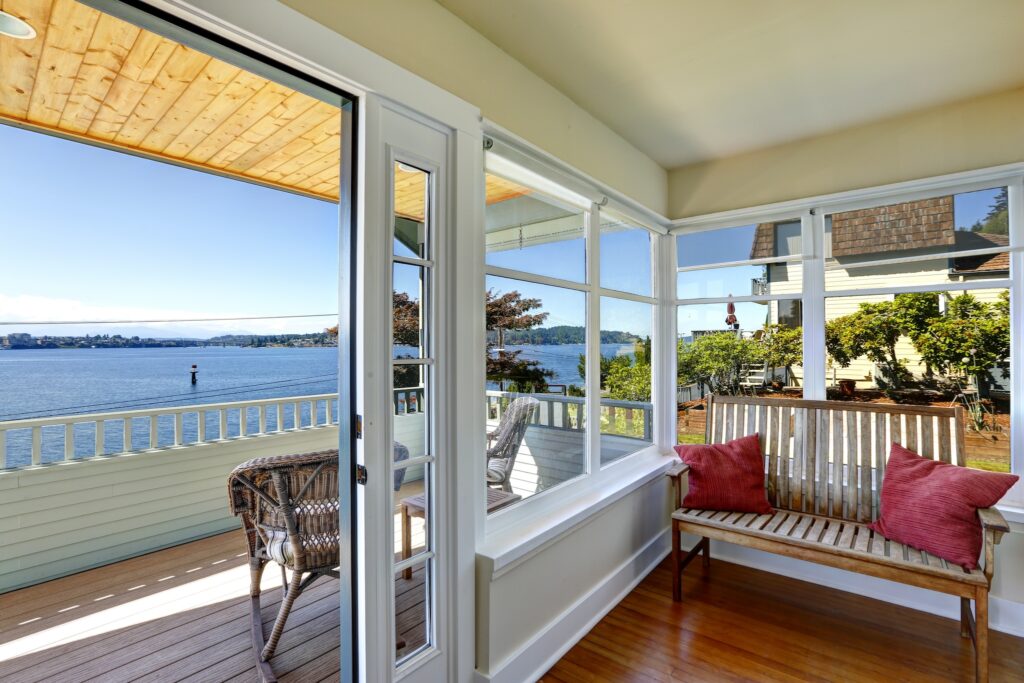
x,y
538,655
1004,615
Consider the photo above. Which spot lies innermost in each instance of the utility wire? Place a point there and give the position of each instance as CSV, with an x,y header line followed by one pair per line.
x,y
179,320
169,398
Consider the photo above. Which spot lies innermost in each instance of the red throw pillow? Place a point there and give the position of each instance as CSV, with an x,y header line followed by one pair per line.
x,y
726,476
933,506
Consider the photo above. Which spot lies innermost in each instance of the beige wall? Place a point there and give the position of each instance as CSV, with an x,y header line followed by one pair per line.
x,y
986,131
430,41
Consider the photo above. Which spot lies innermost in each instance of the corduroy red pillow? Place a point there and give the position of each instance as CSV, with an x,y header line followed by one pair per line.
x,y
728,476
933,506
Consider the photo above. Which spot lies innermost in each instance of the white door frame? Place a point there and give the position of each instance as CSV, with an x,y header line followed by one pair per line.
x,y
275,31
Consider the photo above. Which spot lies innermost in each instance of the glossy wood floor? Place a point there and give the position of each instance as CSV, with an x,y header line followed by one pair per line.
x,y
180,614
740,624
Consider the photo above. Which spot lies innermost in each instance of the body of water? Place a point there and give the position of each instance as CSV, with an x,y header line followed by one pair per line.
x,y
44,382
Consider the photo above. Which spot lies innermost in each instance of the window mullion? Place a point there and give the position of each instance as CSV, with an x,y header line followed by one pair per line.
x,y
593,364
663,346
1015,199
812,227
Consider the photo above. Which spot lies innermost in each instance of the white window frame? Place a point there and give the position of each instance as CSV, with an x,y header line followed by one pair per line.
x,y
813,211
527,523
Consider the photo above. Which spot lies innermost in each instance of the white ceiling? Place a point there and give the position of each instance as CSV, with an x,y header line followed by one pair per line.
x,y
687,80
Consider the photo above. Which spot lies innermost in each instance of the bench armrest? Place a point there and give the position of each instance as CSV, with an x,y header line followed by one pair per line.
x,y
993,519
676,473
993,526
680,468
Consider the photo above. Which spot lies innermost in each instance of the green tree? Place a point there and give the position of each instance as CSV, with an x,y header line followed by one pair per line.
x,y
510,311
972,338
715,361
782,347
871,331
629,379
997,220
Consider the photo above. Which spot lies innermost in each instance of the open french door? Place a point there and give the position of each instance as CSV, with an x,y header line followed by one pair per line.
x,y
403,548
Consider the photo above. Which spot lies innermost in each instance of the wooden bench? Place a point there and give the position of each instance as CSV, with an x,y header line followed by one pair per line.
x,y
824,463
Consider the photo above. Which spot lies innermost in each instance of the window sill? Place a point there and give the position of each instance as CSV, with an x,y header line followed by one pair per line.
x,y
523,532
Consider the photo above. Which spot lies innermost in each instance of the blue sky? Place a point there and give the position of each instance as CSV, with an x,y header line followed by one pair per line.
x,y
92,233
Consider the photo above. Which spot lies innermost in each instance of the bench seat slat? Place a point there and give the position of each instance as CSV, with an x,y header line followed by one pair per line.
x,y
850,539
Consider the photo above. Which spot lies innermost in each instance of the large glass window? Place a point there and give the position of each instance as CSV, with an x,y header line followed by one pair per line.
x,y
569,321
536,372
890,338
740,325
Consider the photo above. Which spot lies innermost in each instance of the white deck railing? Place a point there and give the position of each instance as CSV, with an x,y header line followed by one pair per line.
x,y
567,412
71,437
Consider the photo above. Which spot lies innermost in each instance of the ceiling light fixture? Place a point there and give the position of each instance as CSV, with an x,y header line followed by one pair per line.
x,y
14,27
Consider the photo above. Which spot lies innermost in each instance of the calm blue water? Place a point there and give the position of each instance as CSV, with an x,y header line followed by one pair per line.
x,y
563,359
39,383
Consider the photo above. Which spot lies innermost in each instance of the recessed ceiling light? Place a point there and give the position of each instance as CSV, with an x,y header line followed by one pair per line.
x,y
14,27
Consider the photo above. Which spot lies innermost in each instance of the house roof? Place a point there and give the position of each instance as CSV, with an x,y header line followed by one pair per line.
x,y
992,263
900,227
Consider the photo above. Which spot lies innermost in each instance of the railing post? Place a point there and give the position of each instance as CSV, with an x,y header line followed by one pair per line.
x,y
126,437
328,418
243,421
3,448
101,446
648,427
297,415
177,429
313,405
223,417
154,424
201,427
69,441
263,419
280,417
37,445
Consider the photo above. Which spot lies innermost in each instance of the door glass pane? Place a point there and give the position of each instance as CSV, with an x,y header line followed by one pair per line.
x,y
412,451
412,610
626,410
536,351
410,212
406,310
534,233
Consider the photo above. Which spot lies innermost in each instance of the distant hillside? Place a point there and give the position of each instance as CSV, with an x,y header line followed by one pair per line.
x,y
564,334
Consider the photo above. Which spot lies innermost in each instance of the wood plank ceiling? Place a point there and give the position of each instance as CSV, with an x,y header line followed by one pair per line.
x,y
92,76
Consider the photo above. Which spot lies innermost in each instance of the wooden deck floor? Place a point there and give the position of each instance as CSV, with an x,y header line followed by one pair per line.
x,y
179,614
740,624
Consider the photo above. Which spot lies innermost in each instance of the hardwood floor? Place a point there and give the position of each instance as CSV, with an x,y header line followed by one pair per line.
x,y
740,624
180,614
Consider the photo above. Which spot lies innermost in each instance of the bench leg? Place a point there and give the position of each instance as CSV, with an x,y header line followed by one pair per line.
x,y
706,560
965,617
981,635
677,570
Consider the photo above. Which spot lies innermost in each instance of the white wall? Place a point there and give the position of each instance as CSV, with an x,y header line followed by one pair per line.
x,y
433,43
533,610
64,518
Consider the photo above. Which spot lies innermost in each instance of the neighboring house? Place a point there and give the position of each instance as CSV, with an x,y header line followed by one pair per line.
x,y
907,229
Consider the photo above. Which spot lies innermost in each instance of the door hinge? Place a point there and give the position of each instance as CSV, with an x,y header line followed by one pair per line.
x,y
361,475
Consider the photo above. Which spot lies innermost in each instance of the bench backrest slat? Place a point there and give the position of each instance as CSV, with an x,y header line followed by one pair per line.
x,y
829,457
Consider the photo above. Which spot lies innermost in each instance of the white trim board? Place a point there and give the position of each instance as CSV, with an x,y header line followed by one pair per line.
x,y
551,643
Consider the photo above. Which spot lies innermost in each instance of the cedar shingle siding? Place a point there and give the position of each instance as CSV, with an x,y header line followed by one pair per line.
x,y
896,227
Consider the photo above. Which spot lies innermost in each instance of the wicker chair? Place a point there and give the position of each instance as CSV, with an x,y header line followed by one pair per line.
x,y
289,510
507,438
